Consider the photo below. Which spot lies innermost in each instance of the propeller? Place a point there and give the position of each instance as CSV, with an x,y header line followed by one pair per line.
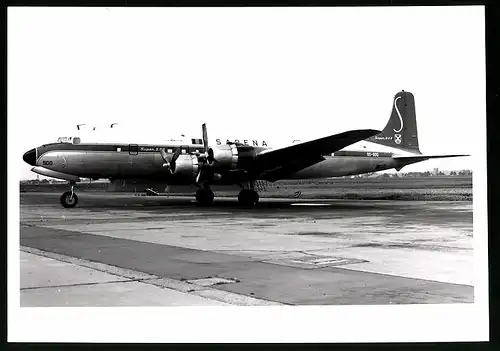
x,y
202,158
205,156
170,162
205,137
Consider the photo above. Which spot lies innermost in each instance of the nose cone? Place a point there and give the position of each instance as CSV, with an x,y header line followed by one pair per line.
x,y
30,157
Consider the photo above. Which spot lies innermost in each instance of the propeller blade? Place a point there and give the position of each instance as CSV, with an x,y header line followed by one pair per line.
x,y
164,155
205,136
176,155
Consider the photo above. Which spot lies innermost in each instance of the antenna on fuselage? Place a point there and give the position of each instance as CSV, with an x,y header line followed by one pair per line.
x,y
78,126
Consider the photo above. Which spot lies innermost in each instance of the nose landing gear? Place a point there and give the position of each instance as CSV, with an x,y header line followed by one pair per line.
x,y
69,198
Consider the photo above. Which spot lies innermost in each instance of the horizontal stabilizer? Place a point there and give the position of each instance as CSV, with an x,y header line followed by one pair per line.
x,y
424,157
410,159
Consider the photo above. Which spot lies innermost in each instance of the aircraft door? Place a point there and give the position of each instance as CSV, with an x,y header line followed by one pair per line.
x,y
133,149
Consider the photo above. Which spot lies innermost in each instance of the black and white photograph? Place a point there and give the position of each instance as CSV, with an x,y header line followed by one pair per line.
x,y
247,174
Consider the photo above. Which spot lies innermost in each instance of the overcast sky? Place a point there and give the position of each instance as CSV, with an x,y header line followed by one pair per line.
x,y
274,74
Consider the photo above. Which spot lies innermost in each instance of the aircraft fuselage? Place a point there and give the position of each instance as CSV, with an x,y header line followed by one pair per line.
x,y
121,161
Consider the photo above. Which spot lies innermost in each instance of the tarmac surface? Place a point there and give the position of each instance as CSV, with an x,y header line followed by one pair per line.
x,y
125,250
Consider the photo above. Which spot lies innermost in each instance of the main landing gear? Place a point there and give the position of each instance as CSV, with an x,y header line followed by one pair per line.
x,y
69,198
248,197
205,196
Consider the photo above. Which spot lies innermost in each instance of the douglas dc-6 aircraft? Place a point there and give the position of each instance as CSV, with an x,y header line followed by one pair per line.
x,y
234,162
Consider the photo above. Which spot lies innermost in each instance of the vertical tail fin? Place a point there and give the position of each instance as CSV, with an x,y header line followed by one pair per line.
x,y
401,130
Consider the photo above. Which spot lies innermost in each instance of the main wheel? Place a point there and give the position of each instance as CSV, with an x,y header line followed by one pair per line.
x,y
69,199
255,197
204,197
248,197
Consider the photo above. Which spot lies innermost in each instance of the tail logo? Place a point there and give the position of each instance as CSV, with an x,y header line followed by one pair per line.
x,y
400,118
397,138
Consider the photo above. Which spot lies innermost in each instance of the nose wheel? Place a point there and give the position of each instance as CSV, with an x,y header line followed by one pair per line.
x,y
69,198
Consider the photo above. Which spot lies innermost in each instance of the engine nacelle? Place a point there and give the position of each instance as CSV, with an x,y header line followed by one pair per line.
x,y
231,156
223,156
185,166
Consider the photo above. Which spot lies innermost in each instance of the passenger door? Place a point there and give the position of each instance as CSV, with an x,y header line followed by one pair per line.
x,y
133,149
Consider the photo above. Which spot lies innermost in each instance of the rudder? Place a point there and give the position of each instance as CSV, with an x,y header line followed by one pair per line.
x,y
401,130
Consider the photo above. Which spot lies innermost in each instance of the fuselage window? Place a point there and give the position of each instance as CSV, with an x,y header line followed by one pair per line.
x,y
183,151
169,151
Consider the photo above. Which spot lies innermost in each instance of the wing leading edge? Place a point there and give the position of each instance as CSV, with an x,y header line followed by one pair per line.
x,y
273,164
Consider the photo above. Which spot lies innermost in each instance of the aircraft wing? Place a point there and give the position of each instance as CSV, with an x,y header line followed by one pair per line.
x,y
272,164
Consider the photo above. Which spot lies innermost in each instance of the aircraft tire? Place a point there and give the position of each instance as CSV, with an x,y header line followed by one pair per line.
x,y
255,197
204,197
69,201
248,197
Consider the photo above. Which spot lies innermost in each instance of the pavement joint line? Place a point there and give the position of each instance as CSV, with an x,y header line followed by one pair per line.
x,y
112,270
357,269
162,282
81,284
58,236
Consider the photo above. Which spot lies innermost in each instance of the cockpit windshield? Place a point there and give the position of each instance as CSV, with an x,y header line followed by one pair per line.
x,y
71,140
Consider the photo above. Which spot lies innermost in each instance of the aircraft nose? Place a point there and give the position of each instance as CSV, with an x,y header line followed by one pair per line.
x,y
30,157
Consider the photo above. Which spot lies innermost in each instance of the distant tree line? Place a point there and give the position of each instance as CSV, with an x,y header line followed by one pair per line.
x,y
42,181
462,173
